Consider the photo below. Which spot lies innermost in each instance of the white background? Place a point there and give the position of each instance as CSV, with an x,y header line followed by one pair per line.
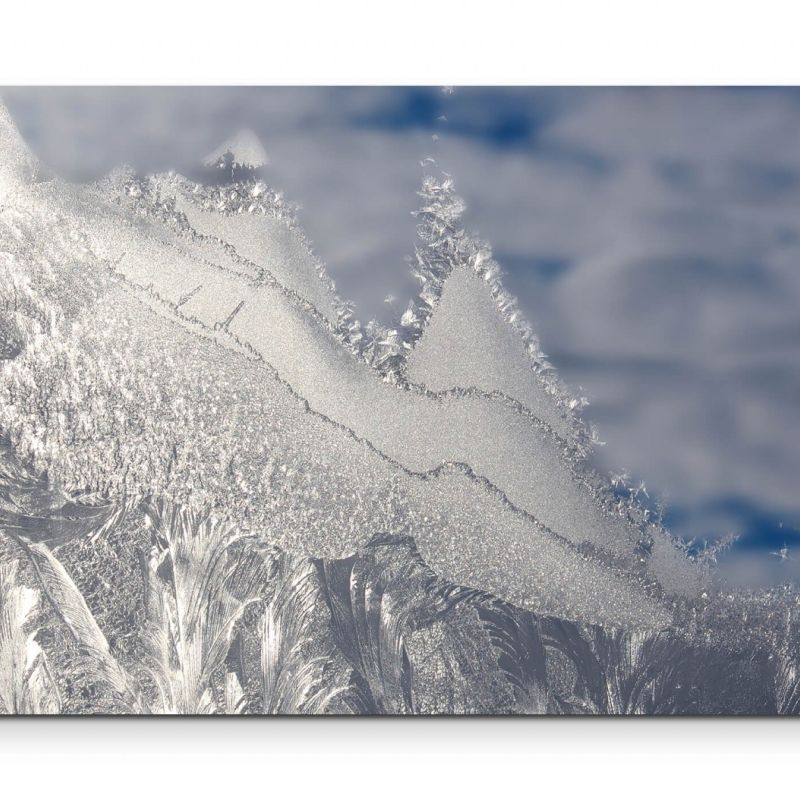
x,y
499,42
189,759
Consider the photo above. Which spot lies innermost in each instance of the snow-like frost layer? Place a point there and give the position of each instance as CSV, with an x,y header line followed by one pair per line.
x,y
524,460
527,468
467,343
303,481
418,431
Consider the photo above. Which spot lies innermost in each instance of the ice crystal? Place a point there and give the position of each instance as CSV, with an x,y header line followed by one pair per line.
x,y
220,492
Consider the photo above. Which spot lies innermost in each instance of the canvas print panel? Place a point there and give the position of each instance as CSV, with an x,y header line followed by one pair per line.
x,y
223,490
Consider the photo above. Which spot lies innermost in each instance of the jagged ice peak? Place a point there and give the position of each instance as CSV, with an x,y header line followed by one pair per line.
x,y
245,149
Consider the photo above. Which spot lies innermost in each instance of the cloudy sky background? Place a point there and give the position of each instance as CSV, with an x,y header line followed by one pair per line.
x,y
651,235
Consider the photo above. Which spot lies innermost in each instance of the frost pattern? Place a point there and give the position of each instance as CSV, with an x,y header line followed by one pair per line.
x,y
221,493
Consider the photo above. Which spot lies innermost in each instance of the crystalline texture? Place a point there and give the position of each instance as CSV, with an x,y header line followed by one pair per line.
x,y
495,498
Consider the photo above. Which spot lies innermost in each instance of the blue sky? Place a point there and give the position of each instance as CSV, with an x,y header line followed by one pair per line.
x,y
651,235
